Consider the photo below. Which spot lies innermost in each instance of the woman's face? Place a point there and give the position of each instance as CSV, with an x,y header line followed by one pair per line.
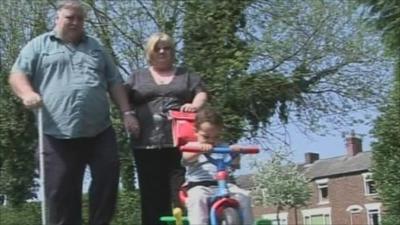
x,y
162,54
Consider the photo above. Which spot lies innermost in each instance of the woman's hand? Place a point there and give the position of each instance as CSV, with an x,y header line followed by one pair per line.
x,y
188,107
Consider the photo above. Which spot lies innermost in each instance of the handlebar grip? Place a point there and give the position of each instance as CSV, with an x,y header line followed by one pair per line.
x,y
249,149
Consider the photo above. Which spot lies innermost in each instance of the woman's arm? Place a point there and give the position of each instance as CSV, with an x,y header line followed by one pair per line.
x,y
198,101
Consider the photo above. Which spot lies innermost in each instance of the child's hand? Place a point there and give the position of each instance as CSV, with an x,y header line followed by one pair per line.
x,y
235,148
205,147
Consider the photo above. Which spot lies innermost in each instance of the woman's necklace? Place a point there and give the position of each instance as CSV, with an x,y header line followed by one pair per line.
x,y
163,78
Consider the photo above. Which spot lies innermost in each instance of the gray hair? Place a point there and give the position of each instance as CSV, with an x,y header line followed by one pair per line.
x,y
72,4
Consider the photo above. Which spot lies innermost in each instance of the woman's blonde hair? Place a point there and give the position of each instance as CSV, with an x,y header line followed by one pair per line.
x,y
153,40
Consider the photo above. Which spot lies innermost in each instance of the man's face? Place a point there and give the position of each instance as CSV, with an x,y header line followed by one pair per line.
x,y
69,24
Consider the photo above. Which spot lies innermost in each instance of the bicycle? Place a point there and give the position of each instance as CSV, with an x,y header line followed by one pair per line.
x,y
223,210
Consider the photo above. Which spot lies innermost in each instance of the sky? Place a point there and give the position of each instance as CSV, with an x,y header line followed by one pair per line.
x,y
326,146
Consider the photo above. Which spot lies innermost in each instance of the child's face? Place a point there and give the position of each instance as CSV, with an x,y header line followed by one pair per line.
x,y
208,133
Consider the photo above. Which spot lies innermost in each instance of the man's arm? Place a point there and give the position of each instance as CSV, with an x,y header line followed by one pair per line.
x,y
119,96
22,88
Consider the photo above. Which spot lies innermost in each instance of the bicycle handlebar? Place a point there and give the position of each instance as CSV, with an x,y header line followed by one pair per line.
x,y
246,149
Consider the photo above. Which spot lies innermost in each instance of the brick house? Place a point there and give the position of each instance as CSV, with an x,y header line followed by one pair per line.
x,y
342,191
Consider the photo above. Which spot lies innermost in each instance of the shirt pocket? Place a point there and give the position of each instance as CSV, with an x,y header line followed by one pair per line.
x,y
92,61
54,58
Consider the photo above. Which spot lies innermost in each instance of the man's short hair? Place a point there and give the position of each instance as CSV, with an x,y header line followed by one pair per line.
x,y
72,4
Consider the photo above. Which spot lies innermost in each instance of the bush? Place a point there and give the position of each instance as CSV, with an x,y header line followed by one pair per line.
x,y
26,214
127,212
128,209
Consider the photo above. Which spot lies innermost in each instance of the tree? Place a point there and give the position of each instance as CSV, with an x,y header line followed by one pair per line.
x,y
385,14
386,155
386,149
17,135
299,61
279,183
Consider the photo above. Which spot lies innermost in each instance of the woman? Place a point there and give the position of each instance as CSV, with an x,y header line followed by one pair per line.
x,y
153,91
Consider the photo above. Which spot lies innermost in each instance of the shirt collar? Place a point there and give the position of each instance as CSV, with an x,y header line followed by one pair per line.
x,y
55,36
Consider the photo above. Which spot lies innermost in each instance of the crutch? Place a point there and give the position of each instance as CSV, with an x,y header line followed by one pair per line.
x,y
41,166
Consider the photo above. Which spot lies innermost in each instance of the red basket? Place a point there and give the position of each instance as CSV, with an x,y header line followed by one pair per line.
x,y
183,130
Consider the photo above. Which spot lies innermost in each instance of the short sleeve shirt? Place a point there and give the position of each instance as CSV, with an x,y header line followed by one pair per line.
x,y
152,102
73,81
202,169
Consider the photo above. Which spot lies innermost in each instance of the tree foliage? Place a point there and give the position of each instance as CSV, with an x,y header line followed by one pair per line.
x,y
213,48
385,16
299,61
279,183
17,135
386,148
312,57
386,155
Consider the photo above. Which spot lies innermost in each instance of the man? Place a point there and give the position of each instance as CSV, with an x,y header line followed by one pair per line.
x,y
69,74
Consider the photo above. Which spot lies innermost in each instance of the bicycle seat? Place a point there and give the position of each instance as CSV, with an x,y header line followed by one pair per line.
x,y
182,127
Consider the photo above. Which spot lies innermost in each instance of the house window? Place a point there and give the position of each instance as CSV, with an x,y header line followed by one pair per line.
x,y
323,193
369,184
317,216
317,220
373,213
283,218
373,217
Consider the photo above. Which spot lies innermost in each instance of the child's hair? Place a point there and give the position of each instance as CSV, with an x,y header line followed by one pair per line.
x,y
208,114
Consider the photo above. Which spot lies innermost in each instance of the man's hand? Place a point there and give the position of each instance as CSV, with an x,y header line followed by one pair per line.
x,y
131,124
32,100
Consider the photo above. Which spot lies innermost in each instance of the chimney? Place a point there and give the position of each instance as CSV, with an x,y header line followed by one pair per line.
x,y
311,157
353,144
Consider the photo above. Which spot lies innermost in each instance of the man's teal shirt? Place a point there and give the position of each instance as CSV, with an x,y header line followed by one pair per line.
x,y
73,81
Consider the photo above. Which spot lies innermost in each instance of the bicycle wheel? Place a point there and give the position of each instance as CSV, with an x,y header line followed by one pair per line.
x,y
230,216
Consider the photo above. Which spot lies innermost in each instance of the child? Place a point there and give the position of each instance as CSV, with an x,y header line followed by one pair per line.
x,y
200,173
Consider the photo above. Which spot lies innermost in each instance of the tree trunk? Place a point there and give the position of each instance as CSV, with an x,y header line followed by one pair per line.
x,y
278,220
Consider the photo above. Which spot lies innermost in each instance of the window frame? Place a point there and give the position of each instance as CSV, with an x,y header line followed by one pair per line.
x,y
376,208
367,177
283,217
322,183
324,212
